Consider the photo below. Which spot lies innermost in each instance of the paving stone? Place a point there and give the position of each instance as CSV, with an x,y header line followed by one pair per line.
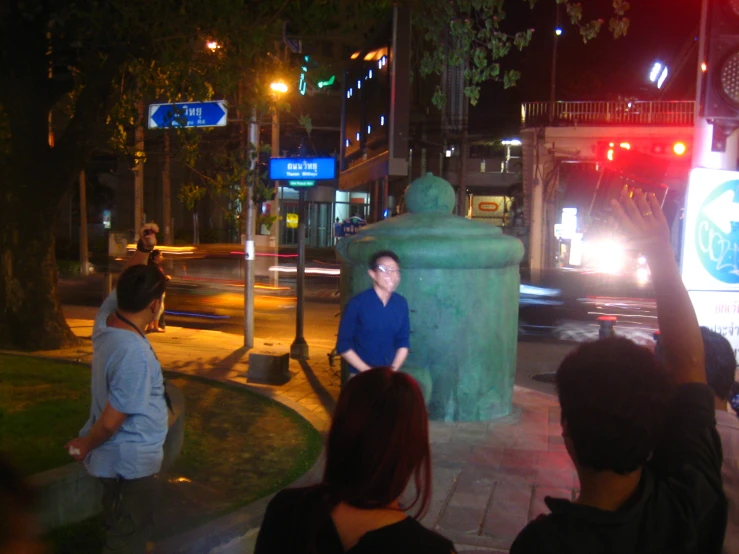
x,y
508,511
538,506
488,477
461,519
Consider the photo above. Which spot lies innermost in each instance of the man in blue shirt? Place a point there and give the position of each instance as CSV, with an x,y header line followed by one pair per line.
x,y
375,328
122,442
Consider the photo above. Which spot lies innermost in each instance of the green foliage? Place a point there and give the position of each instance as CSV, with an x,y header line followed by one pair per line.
x,y
68,268
306,122
191,194
265,220
474,35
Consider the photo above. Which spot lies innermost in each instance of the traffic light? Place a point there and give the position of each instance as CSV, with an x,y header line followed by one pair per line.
x,y
608,151
720,87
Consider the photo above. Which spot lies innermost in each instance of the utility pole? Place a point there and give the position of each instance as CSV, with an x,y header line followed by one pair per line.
x,y
249,253
299,348
463,156
138,172
275,203
553,84
84,263
167,191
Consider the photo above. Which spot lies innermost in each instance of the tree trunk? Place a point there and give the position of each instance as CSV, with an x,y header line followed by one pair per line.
x,y
30,314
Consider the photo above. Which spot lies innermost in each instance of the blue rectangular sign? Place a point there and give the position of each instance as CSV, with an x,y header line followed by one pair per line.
x,y
188,114
293,169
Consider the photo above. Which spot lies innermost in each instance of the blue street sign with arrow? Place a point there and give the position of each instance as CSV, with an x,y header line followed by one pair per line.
x,y
188,114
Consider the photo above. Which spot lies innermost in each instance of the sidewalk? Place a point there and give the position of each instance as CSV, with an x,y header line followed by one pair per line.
x,y
489,479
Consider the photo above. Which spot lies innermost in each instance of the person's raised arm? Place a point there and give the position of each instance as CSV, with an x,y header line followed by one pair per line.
x,y
146,244
643,222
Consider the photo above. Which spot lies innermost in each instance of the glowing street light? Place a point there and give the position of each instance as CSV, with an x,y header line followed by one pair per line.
x,y
279,86
213,45
558,31
654,73
658,74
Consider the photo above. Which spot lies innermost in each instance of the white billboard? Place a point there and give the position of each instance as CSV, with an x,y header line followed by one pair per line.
x,y
710,260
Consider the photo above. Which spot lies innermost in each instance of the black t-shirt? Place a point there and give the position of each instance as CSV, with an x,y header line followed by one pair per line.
x,y
679,508
296,519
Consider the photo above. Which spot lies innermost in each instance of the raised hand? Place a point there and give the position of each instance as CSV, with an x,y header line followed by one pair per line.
x,y
148,235
641,219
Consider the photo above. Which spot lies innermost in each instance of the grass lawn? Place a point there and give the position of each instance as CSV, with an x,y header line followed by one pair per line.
x,y
239,446
43,404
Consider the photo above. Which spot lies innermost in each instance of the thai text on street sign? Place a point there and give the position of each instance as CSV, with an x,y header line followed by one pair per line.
x,y
302,169
188,114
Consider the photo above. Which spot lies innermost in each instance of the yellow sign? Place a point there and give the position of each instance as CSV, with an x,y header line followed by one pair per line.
x,y
292,221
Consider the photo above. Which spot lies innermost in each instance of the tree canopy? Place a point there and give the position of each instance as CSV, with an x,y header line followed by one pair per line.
x,y
476,35
79,68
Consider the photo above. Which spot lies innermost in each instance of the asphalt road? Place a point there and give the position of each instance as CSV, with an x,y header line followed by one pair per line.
x,y
219,305
216,303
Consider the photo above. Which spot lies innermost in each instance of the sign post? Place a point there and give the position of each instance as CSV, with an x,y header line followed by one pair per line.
x,y
301,173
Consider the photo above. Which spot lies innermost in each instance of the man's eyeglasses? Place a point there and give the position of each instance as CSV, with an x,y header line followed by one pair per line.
x,y
384,269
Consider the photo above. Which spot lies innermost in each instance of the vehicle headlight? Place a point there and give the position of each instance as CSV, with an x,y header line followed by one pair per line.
x,y
607,256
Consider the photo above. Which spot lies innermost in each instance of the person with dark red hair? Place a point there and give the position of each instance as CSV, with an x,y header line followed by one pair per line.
x,y
377,443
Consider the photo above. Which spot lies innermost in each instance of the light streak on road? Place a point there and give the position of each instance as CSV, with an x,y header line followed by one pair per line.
x,y
241,253
177,250
308,270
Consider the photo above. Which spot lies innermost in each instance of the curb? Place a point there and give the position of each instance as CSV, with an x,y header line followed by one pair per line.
x,y
238,529
232,529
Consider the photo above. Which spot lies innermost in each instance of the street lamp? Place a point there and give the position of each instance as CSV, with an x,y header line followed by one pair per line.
x,y
553,84
277,87
658,74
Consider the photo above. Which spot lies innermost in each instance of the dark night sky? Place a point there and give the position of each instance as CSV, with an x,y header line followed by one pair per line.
x,y
603,69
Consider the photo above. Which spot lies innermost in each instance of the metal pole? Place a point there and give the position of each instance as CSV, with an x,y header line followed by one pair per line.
x,y
463,155
167,192
299,348
138,192
83,226
553,84
249,244
275,211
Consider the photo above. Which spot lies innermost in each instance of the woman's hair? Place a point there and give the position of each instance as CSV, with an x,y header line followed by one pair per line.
x,y
378,440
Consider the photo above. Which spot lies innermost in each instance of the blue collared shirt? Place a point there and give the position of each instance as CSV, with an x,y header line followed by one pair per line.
x,y
373,330
126,373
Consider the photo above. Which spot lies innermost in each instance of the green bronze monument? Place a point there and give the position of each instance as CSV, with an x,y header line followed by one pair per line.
x,y
461,280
